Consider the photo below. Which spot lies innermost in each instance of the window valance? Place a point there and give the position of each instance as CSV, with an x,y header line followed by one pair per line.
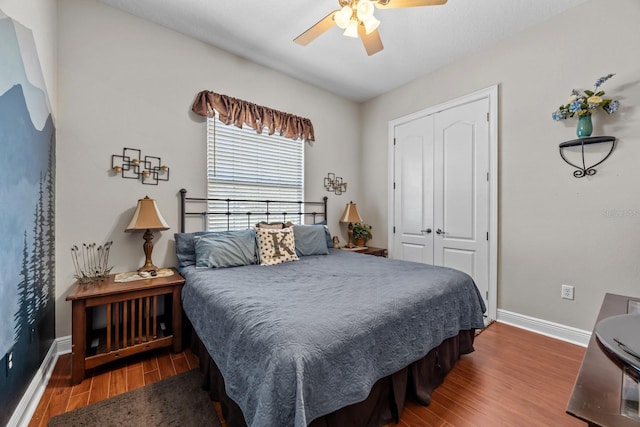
x,y
238,112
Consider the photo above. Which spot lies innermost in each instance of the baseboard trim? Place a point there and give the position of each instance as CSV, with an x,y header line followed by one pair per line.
x,y
544,327
30,399
64,345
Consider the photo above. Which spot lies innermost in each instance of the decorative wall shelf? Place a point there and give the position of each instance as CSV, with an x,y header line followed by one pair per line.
x,y
584,170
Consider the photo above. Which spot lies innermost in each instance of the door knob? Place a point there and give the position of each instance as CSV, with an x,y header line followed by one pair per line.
x,y
428,231
438,231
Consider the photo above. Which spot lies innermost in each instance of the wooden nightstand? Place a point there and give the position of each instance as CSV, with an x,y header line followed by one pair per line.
x,y
133,321
370,250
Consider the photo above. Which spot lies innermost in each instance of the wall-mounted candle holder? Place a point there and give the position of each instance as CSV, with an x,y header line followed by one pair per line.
x,y
130,164
334,183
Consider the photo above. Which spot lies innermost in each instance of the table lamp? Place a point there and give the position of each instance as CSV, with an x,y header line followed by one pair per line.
x,y
147,217
350,215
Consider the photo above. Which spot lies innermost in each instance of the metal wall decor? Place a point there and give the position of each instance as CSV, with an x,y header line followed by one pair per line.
x,y
131,165
334,183
585,170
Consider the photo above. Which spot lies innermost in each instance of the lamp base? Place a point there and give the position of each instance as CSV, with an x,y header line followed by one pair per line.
x,y
148,250
149,268
350,244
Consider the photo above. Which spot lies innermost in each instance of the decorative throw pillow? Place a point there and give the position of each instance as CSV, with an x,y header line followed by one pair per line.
x,y
274,225
270,225
276,246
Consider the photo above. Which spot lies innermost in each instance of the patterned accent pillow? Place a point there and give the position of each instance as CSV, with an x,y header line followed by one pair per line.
x,y
276,246
270,225
274,225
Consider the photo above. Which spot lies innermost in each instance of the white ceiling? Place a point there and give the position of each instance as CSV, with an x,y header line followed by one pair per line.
x,y
416,40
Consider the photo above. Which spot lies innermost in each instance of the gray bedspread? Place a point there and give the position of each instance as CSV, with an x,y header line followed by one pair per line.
x,y
302,339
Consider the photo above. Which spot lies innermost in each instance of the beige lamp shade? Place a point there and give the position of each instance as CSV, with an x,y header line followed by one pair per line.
x,y
147,217
351,213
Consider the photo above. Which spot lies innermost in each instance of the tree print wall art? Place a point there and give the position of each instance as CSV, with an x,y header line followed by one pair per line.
x,y
27,215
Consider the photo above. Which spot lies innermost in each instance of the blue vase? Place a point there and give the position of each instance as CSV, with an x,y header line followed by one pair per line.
x,y
585,127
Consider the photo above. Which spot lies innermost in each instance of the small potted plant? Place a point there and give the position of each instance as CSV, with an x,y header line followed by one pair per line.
x,y
361,233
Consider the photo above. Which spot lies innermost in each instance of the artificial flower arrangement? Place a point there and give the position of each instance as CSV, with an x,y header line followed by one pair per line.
x,y
587,102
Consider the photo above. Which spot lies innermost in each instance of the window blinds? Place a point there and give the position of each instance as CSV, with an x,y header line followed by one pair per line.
x,y
242,164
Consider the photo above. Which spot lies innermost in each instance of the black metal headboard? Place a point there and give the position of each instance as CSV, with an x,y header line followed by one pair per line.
x,y
298,209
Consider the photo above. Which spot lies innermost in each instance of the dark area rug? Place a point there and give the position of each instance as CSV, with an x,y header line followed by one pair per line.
x,y
175,401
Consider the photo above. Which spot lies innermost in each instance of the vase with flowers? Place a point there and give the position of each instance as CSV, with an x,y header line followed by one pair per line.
x,y
584,103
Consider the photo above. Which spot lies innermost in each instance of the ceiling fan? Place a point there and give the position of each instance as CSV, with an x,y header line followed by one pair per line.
x,y
356,18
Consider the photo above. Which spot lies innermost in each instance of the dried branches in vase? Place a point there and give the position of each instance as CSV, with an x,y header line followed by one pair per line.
x,y
91,262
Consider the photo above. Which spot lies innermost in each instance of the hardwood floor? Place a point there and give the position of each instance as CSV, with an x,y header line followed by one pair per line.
x,y
514,378
107,381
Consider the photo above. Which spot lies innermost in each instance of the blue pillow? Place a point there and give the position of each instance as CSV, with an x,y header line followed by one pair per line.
x,y
310,240
227,249
186,248
327,232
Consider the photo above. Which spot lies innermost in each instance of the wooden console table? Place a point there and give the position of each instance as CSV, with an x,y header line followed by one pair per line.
x,y
596,396
133,321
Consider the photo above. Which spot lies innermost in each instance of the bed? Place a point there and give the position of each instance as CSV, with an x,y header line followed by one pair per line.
x,y
332,338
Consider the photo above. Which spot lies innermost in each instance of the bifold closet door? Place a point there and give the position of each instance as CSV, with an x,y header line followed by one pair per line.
x,y
441,190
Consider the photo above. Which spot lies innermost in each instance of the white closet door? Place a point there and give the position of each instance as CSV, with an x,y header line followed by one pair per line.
x,y
413,194
441,195
461,190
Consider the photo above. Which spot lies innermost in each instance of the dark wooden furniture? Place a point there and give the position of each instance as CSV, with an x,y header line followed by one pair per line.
x,y
596,396
370,250
133,322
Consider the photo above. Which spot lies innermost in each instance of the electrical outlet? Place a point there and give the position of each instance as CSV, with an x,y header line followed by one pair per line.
x,y
567,292
9,360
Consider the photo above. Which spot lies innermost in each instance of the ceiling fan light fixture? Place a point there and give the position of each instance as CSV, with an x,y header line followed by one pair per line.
x,y
342,17
356,19
370,25
365,10
352,29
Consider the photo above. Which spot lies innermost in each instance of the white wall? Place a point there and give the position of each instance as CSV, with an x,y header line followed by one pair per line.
x,y
125,82
553,228
40,17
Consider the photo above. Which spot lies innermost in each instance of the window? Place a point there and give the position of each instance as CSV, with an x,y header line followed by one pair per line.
x,y
242,164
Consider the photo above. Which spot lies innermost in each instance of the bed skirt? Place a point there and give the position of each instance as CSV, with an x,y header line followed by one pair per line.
x,y
386,399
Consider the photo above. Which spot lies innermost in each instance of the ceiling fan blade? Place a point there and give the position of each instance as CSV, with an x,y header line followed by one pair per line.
x,y
372,42
393,4
320,27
